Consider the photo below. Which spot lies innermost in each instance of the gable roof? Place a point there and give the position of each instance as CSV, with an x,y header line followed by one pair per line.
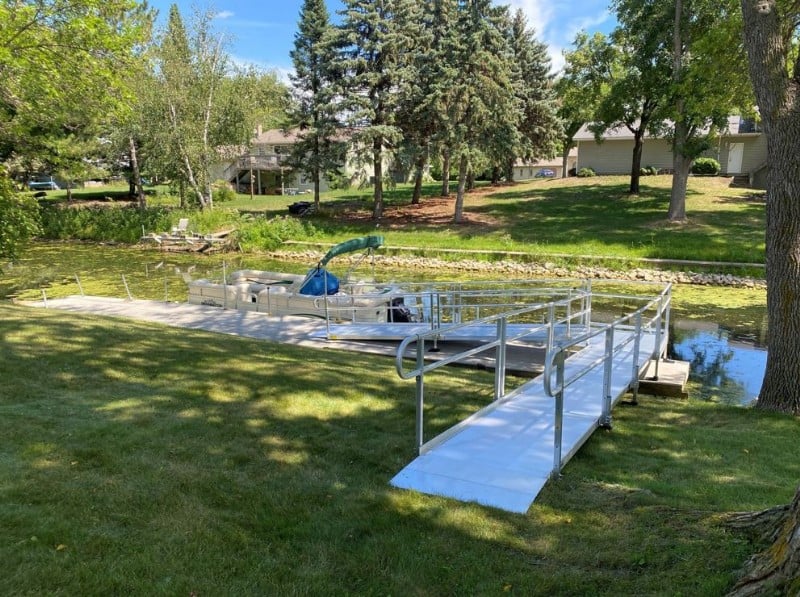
x,y
738,126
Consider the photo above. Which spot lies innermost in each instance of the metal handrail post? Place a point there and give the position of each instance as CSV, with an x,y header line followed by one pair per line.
x,y
128,290
558,426
605,417
500,360
224,286
78,280
569,313
420,393
635,373
588,310
658,335
551,319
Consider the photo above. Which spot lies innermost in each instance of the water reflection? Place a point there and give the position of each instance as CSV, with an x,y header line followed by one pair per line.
x,y
730,367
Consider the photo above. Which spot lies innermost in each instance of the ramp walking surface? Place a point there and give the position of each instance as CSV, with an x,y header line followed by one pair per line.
x,y
504,457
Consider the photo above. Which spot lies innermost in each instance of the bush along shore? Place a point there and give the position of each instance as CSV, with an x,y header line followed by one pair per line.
x,y
536,270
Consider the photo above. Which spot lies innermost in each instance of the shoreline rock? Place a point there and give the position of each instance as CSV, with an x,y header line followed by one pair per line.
x,y
538,270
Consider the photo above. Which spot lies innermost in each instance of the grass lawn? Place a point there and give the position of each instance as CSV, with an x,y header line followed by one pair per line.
x,y
139,459
545,218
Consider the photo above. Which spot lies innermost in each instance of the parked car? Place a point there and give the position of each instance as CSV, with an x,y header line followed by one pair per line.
x,y
545,173
43,183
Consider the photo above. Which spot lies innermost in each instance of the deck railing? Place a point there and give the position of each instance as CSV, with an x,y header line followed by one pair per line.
x,y
567,328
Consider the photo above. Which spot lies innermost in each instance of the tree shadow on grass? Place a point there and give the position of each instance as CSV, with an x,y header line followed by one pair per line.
x,y
138,456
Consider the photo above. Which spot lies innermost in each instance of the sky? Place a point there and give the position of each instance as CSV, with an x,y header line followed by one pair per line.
x,y
262,31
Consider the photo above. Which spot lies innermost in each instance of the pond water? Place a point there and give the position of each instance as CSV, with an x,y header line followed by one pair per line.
x,y
730,367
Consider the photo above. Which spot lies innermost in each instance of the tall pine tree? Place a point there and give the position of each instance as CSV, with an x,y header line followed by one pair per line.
x,y
374,60
539,124
317,151
484,111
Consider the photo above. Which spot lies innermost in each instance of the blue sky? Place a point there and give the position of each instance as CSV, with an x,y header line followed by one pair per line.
x,y
262,31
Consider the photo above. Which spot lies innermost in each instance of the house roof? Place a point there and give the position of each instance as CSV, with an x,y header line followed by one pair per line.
x,y
275,137
737,126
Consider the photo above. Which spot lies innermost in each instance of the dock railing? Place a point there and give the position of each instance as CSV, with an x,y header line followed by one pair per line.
x,y
635,322
568,326
559,314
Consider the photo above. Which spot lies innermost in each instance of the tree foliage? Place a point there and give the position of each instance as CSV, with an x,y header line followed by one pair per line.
x,y
538,122
18,218
580,87
199,107
701,81
318,150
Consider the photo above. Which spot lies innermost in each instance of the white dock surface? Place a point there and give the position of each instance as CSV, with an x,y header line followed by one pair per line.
x,y
504,457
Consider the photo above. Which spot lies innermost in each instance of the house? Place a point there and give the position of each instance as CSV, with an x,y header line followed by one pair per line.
x,y
263,167
741,150
528,170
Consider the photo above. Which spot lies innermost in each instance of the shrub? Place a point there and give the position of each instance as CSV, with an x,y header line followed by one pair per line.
x,y
706,166
115,224
586,173
648,171
221,191
265,235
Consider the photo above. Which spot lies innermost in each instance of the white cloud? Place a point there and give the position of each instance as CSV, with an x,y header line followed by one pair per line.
x,y
557,22
225,14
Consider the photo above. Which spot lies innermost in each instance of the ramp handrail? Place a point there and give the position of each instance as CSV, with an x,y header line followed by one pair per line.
x,y
499,342
557,354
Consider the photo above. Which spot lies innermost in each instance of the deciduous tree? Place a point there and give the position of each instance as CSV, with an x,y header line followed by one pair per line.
x,y
771,29
704,85
579,88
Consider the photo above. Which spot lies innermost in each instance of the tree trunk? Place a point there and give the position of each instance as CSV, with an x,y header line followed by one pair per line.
x,y
418,173
510,171
681,166
137,175
463,166
776,570
636,162
778,97
680,163
446,174
565,160
377,169
471,179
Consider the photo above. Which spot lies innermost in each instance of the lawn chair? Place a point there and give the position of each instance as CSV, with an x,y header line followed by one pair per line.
x,y
180,229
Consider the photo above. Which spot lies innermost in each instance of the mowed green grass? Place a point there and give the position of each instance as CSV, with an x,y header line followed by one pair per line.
x,y
544,218
579,216
144,460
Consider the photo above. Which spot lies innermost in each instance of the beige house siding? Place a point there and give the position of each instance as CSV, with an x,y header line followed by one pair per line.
x,y
614,156
755,153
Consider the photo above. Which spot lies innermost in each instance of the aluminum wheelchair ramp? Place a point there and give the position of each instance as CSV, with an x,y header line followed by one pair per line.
x,y
504,454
